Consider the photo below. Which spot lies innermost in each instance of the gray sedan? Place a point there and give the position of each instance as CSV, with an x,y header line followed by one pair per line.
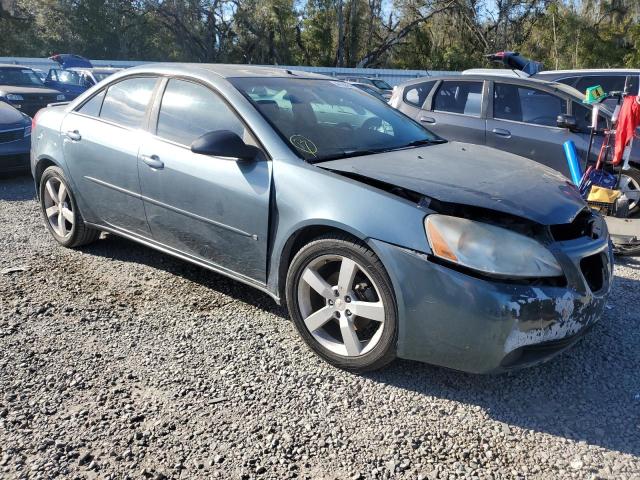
x,y
528,117
335,203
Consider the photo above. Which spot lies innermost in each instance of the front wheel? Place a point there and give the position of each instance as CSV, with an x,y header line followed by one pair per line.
x,y
630,186
60,211
342,303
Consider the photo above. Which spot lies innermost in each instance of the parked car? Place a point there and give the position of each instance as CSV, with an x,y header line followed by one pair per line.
x,y
76,80
610,79
378,83
15,139
528,117
75,75
335,203
21,87
371,90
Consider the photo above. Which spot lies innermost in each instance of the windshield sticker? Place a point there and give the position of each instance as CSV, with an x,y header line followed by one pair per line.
x,y
303,144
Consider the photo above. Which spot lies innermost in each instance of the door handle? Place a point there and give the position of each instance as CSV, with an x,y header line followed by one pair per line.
x,y
153,161
73,135
427,120
501,132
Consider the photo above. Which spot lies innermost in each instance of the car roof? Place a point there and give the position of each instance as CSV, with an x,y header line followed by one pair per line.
x,y
587,71
13,65
224,70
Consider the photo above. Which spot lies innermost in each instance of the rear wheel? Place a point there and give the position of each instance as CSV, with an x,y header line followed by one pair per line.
x,y
342,303
60,211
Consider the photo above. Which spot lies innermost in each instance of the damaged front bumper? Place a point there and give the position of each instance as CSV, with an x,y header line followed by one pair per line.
x,y
480,325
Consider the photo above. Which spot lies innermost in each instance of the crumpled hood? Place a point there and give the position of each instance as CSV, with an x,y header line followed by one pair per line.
x,y
473,175
9,115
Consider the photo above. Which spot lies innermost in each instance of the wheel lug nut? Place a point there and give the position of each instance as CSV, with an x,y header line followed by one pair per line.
x,y
337,314
330,302
348,313
336,292
347,299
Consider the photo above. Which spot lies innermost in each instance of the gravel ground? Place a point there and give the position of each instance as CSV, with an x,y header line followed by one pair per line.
x,y
117,361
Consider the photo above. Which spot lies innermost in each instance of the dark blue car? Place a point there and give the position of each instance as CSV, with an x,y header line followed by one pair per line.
x,y
15,139
76,75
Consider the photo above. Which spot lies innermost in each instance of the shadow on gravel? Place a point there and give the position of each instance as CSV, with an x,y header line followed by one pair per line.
x,y
16,188
590,393
124,250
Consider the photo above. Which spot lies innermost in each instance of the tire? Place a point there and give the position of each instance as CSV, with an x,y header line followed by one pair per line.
x,y
631,186
62,217
349,316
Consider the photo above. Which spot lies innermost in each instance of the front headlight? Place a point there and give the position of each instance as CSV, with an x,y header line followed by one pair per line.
x,y
489,249
14,97
60,98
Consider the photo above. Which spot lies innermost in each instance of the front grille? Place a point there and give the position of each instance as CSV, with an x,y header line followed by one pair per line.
x,y
11,135
594,270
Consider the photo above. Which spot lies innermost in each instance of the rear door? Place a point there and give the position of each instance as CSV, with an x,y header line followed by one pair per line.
x,y
211,208
455,111
523,120
100,142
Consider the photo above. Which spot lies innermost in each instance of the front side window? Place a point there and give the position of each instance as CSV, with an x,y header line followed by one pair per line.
x,y
323,119
417,94
459,97
607,82
189,110
583,114
69,77
528,105
19,77
125,102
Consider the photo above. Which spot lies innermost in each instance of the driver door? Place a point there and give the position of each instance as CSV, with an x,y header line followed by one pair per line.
x,y
213,209
524,123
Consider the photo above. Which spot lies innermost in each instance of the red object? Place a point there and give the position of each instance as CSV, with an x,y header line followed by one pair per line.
x,y
628,120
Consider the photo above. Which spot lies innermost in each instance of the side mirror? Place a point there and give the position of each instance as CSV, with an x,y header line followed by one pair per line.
x,y
223,143
567,121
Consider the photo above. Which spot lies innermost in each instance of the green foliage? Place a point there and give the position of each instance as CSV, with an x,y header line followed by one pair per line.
x,y
425,34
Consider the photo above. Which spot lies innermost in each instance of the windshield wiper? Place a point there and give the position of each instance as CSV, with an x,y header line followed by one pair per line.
x,y
349,154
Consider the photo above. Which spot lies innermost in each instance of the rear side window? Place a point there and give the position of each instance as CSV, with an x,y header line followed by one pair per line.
x,y
125,102
92,107
528,105
459,97
417,94
189,110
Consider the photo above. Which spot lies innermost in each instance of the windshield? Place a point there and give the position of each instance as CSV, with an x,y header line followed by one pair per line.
x,y
324,119
19,77
381,84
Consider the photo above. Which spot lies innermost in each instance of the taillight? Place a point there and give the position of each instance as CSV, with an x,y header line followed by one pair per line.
x,y
34,119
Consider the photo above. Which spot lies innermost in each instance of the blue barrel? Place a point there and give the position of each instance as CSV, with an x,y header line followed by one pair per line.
x,y
572,161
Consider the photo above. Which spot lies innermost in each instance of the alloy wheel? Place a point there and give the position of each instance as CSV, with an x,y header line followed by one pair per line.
x,y
58,207
341,305
631,188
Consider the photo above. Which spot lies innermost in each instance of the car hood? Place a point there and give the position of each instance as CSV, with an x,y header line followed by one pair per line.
x,y
28,90
473,175
9,115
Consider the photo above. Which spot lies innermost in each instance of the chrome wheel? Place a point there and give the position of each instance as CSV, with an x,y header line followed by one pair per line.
x,y
631,188
341,305
58,208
